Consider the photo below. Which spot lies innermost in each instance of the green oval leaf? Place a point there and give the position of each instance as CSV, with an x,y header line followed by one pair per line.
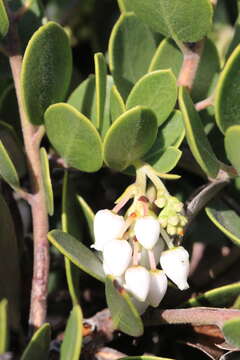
x,y
231,331
197,140
7,168
225,219
101,82
82,147
4,22
168,55
232,146
171,133
71,225
222,296
39,345
227,106
165,161
125,316
157,91
47,181
131,48
78,253
46,70
83,98
186,20
3,326
72,342
129,137
88,213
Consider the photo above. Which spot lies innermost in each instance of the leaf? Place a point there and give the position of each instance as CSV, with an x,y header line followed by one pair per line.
x,y
3,326
232,146
168,55
197,140
231,331
101,82
46,70
71,225
227,107
78,253
9,270
144,357
124,314
14,148
47,181
165,161
4,22
171,133
129,137
157,91
117,106
7,169
72,342
225,219
131,48
88,213
218,297
83,98
82,147
106,123
185,20
39,346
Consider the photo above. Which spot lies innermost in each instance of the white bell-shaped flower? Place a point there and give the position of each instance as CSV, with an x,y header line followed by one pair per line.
x,y
147,231
107,226
175,263
117,255
158,287
138,281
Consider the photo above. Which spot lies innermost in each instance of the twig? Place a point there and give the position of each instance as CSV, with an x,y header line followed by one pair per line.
x,y
107,353
196,316
32,137
205,195
191,59
201,105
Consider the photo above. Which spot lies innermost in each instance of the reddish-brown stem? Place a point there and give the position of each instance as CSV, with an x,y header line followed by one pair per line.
x,y
191,59
194,316
32,137
201,105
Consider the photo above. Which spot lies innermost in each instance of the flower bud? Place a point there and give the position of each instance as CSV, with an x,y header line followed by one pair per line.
x,y
158,287
117,256
107,226
147,230
138,281
175,263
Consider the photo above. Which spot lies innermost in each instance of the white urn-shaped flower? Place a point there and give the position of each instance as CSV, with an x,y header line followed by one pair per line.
x,y
147,231
117,255
175,263
107,226
158,287
137,280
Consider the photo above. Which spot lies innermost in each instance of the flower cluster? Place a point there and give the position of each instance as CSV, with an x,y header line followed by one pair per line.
x,y
134,245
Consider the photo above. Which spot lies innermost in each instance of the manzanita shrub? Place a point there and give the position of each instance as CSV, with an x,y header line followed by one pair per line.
x,y
119,172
